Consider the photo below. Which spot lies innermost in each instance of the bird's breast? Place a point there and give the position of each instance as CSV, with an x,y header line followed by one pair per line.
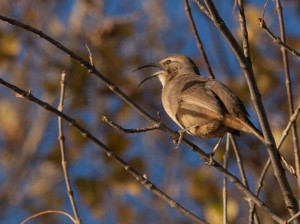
x,y
170,100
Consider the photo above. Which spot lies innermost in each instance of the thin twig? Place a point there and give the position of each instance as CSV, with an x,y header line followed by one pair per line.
x,y
289,198
203,8
265,6
268,163
252,212
244,29
290,123
234,6
277,40
90,55
289,90
239,160
292,218
141,179
199,42
132,130
61,139
225,193
47,212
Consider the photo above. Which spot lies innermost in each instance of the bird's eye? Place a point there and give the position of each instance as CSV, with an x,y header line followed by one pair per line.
x,y
168,62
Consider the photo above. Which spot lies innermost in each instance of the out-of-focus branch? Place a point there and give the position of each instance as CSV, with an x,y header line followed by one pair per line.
x,y
289,90
252,211
265,6
277,40
141,179
49,212
289,198
199,42
225,158
292,218
18,173
61,139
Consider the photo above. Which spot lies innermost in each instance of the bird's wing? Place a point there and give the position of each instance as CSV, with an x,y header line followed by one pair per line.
x,y
231,102
196,94
199,106
234,106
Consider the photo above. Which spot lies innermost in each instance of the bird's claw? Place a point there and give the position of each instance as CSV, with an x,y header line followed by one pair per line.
x,y
210,160
178,141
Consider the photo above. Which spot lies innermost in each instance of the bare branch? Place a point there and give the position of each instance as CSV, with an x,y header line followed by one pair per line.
x,y
265,6
47,212
203,8
225,193
252,211
140,178
277,40
130,131
199,42
234,6
293,218
268,163
289,198
90,55
84,63
289,89
289,125
244,29
61,140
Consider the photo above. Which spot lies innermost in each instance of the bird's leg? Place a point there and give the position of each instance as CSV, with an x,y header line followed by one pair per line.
x,y
181,133
212,153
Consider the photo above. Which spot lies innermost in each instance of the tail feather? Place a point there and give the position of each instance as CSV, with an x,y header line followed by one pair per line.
x,y
253,130
250,128
244,125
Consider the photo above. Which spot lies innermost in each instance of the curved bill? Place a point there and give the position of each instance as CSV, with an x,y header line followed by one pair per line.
x,y
146,66
149,77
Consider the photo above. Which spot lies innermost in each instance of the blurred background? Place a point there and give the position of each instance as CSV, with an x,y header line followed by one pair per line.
x,y
123,35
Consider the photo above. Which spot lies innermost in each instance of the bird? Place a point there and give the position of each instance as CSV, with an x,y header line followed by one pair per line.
x,y
202,107
205,107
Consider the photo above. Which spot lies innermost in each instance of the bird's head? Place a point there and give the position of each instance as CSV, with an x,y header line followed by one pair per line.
x,y
171,66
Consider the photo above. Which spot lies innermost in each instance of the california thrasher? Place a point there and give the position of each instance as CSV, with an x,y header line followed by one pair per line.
x,y
201,106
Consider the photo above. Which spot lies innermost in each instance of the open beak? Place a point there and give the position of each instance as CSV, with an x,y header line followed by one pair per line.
x,y
146,66
149,77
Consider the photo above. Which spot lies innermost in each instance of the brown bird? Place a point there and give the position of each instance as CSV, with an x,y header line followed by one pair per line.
x,y
201,106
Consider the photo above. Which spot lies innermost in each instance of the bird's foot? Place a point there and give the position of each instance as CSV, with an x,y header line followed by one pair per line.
x,y
180,133
178,139
210,160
